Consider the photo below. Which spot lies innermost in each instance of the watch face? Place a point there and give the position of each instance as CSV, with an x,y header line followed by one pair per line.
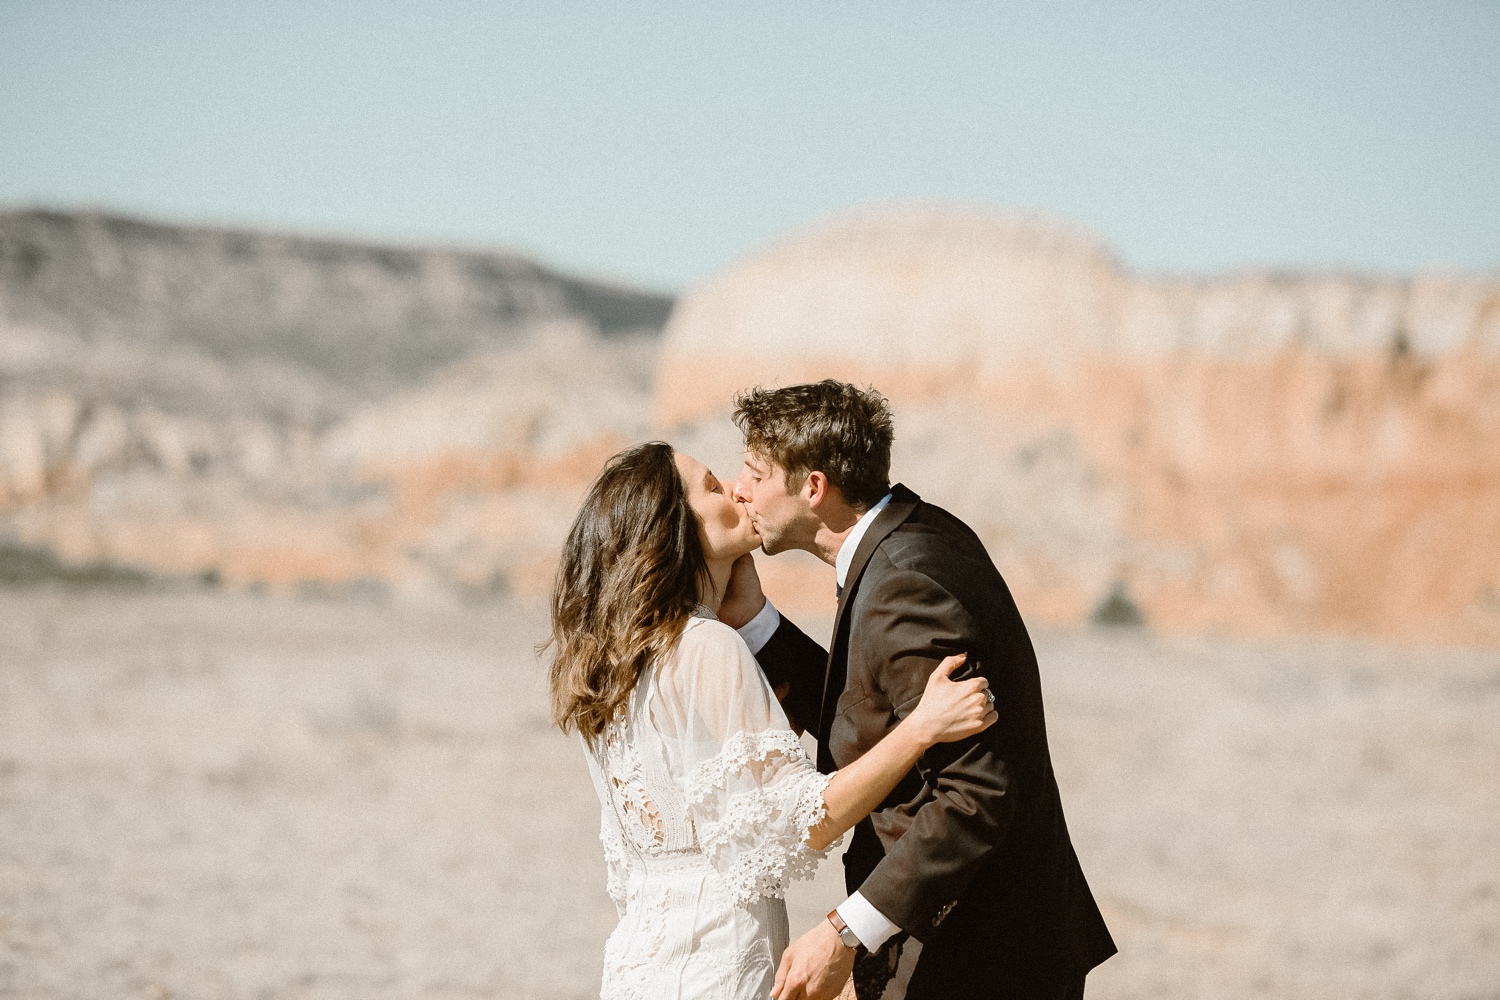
x,y
849,938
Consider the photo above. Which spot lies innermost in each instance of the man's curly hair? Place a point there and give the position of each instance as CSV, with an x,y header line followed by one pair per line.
x,y
830,427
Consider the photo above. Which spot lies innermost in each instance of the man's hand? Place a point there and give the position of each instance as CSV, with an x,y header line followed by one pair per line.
x,y
743,597
815,967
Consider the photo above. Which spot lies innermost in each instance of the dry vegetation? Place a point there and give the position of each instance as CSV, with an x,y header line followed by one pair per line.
x,y
212,796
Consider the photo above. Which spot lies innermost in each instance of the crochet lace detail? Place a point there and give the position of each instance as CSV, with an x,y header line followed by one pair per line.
x,y
762,807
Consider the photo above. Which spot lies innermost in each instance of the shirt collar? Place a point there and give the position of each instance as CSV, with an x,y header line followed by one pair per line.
x,y
846,551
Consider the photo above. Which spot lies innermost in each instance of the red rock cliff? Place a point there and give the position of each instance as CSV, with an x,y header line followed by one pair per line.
x,y
1254,453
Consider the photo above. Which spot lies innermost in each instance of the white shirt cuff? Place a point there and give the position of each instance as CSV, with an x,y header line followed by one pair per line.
x,y
868,924
758,630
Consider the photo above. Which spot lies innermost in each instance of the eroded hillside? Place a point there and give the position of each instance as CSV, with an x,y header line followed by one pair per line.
x,y
1255,452
264,408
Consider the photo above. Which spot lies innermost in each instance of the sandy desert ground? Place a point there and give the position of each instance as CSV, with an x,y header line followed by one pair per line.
x,y
232,797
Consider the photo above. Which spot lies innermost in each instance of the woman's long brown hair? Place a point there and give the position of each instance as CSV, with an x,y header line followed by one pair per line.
x,y
626,586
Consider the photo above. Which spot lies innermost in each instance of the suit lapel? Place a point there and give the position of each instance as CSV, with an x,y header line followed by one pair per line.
x,y
903,503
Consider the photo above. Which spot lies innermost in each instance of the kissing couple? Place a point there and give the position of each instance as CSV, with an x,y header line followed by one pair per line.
x,y
689,691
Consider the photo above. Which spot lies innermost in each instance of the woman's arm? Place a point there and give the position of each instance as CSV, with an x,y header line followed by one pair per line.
x,y
730,747
948,711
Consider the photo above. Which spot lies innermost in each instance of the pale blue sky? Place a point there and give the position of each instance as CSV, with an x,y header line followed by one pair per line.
x,y
656,143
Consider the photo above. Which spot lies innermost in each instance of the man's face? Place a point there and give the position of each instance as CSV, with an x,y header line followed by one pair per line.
x,y
783,520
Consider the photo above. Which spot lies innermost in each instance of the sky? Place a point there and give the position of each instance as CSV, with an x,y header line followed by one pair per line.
x,y
657,143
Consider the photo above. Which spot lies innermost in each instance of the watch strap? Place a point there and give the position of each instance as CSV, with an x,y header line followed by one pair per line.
x,y
847,936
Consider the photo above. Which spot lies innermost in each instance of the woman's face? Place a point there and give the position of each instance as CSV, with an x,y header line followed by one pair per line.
x,y
724,525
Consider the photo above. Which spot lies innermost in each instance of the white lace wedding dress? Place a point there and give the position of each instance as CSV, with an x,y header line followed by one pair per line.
x,y
707,796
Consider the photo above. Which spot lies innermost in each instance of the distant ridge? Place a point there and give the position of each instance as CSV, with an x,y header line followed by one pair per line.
x,y
336,319
1264,453
248,409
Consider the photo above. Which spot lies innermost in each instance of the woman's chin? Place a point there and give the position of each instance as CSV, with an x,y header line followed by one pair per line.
x,y
728,552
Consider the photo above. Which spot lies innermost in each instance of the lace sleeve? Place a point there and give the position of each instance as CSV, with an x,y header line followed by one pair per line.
x,y
750,788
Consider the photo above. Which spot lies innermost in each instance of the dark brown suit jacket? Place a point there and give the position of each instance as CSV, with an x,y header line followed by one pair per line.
x,y
970,854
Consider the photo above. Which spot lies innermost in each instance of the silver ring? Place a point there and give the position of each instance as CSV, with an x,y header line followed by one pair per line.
x,y
990,695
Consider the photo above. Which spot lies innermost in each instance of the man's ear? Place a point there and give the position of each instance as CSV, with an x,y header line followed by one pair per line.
x,y
815,489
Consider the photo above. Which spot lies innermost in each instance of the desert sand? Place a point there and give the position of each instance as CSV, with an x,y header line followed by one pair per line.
x,y
228,796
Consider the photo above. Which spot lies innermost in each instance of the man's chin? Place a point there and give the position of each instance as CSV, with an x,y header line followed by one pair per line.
x,y
771,545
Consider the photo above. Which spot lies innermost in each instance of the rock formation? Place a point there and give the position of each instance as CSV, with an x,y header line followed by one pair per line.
x,y
257,408
1255,452
1252,453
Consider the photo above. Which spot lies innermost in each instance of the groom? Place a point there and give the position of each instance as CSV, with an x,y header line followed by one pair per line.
x,y
970,854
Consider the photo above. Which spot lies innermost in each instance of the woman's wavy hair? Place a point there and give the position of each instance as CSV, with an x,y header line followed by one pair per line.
x,y
626,586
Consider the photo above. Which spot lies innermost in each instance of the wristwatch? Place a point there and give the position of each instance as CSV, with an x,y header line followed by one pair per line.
x,y
847,936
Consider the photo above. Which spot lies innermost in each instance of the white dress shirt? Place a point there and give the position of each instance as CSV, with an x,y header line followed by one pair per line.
x,y
872,927
856,535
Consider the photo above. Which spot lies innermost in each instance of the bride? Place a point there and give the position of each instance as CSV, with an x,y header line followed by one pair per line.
x,y
710,805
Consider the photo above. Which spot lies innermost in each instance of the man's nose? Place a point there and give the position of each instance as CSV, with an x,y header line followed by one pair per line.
x,y
741,491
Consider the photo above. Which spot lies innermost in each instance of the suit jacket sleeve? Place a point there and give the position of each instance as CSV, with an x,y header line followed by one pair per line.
x,y
912,622
790,656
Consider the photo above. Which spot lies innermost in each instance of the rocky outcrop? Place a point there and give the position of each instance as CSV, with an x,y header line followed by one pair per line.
x,y
1255,452
309,327
268,409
